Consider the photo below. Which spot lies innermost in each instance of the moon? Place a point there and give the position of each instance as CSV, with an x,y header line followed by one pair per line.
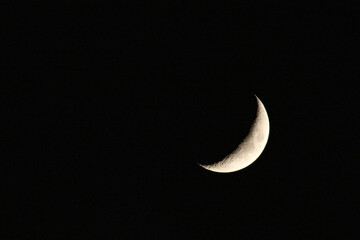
x,y
249,149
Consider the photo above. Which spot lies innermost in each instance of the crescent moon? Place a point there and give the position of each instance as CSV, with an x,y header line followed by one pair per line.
x,y
250,148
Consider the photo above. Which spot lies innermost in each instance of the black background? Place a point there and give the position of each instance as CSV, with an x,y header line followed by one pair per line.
x,y
106,111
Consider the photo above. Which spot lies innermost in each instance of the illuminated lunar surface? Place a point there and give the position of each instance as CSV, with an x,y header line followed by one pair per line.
x,y
250,148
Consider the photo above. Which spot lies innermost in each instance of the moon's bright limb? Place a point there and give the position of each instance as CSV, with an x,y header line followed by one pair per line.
x,y
250,148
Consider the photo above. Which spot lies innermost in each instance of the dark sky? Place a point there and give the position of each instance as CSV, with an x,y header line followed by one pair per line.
x,y
105,112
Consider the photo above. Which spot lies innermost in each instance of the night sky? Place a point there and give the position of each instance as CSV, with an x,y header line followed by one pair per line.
x,y
106,111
